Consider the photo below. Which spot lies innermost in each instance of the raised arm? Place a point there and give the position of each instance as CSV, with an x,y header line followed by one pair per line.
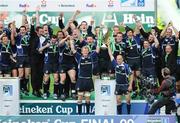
x,y
60,21
89,30
71,19
37,16
175,30
163,33
13,33
24,17
72,45
138,25
32,30
61,42
156,42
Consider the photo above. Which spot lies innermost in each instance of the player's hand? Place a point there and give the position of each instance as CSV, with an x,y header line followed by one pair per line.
x,y
68,37
78,12
92,21
122,24
48,45
61,15
25,11
130,88
134,17
33,19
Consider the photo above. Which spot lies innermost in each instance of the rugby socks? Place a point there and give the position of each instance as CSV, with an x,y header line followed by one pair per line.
x,y
48,85
45,87
61,88
128,108
119,109
73,85
26,80
87,107
79,108
56,88
21,83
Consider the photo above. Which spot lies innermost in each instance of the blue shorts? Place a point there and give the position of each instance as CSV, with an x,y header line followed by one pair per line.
x,y
134,64
5,69
149,72
50,68
13,65
23,62
84,85
63,68
121,89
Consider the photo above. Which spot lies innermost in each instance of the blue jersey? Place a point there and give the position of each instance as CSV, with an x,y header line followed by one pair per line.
x,y
119,49
168,40
133,47
122,71
148,57
51,54
78,45
7,31
85,65
66,55
92,48
22,45
5,53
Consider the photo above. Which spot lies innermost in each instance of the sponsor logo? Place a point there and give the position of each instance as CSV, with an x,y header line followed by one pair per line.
x,y
105,90
24,5
91,5
43,3
132,3
110,3
7,90
66,5
53,108
3,5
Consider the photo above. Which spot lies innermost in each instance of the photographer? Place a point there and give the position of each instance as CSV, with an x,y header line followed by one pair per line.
x,y
167,89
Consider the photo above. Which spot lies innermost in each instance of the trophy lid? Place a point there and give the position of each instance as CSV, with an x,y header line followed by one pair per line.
x,y
104,46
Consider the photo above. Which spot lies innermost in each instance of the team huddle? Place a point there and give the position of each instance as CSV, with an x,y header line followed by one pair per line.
x,y
78,52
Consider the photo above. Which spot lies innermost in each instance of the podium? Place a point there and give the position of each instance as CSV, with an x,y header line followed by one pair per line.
x,y
105,99
9,94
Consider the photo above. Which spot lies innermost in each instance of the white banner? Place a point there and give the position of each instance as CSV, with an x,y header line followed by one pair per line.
x,y
9,94
82,5
105,100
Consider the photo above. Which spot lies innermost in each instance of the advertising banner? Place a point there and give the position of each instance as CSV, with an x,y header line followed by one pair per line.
x,y
69,107
105,99
90,119
106,12
9,94
82,5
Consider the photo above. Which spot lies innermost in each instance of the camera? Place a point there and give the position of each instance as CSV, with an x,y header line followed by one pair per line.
x,y
148,83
